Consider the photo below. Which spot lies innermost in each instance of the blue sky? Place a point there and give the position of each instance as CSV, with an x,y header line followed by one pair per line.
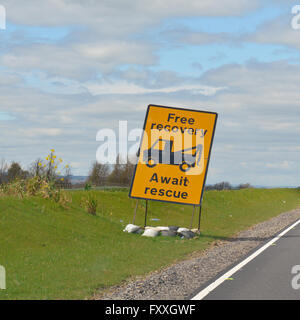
x,y
68,70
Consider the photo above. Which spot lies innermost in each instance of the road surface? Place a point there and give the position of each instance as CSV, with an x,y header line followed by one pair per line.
x,y
264,274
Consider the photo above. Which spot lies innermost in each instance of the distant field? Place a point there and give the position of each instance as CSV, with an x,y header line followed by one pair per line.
x,y
53,253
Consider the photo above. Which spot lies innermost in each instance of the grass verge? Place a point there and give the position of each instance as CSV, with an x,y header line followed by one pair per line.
x,y
53,253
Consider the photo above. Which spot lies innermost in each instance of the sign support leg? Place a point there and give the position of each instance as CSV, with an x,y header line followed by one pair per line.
x,y
136,206
191,225
199,221
146,211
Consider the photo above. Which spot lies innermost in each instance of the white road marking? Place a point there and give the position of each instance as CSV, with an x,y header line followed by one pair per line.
x,y
229,273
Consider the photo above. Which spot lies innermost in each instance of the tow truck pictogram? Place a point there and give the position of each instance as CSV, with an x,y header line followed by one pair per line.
x,y
161,152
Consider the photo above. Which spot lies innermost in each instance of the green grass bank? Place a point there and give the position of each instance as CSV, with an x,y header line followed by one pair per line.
x,y
54,253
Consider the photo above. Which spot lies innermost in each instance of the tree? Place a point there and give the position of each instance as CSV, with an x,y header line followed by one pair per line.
x,y
127,173
116,174
122,173
98,173
36,168
15,172
67,175
219,186
244,186
3,171
51,167
223,186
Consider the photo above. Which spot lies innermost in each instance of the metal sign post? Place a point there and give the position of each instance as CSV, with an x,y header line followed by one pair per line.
x,y
199,221
146,211
136,206
191,225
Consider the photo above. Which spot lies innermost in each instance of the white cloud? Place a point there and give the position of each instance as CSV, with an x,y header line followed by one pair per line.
x,y
258,122
76,60
203,38
108,33
280,165
120,16
131,88
9,79
278,31
40,132
64,102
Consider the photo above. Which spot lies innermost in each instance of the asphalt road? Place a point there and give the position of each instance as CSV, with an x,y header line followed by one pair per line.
x,y
267,276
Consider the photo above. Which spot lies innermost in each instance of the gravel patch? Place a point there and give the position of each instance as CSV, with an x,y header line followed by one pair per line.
x,y
181,280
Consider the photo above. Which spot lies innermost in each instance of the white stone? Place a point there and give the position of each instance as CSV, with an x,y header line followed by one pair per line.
x,y
182,229
152,228
151,233
163,228
131,228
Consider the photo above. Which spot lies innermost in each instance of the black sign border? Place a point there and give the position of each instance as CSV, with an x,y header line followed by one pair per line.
x,y
208,160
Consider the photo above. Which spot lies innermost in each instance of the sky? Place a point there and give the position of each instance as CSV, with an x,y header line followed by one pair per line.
x,y
71,68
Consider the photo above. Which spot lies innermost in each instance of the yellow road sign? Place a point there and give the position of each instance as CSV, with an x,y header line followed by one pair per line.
x,y
174,155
